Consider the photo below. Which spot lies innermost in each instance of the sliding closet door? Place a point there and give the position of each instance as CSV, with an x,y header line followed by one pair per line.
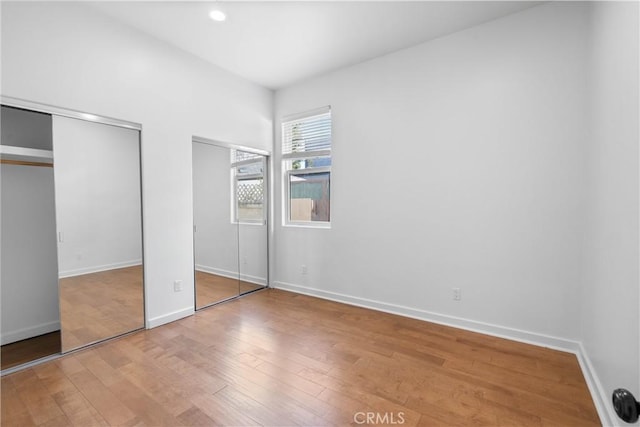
x,y
250,183
215,231
230,221
99,230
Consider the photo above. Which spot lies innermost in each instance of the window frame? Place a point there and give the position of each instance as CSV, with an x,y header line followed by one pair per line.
x,y
287,190
288,171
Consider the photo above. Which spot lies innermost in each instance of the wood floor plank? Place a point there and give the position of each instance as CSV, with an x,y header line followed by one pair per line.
x,y
53,378
61,420
277,358
175,400
104,400
146,409
244,403
193,416
221,412
33,393
14,411
289,378
267,390
281,395
77,409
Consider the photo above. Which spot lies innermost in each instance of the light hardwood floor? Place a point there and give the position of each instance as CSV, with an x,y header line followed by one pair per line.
x,y
212,288
100,305
277,358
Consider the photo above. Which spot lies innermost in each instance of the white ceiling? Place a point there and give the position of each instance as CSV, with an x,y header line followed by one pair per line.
x,y
275,44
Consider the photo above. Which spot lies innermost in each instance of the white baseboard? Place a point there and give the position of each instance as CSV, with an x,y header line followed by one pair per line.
x,y
232,274
30,332
600,398
98,268
442,319
169,317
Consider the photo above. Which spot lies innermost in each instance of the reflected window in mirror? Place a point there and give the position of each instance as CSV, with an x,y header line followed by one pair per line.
x,y
248,201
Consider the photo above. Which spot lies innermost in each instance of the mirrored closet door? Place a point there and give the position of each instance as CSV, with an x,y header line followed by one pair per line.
x,y
230,221
71,230
248,173
99,229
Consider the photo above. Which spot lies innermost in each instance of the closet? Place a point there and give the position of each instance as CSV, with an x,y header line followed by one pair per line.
x,y
29,273
72,259
230,208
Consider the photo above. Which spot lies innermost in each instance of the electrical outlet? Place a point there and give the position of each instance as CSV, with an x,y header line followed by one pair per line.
x,y
457,295
177,286
303,270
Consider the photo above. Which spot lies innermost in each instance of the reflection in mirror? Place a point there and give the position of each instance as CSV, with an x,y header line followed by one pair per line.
x,y
99,225
249,172
230,222
215,235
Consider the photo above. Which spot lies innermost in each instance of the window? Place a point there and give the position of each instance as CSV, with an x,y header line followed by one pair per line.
x,y
247,170
306,165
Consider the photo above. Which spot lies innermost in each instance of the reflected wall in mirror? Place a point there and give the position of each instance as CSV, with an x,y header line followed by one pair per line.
x,y
230,227
99,226
249,172
215,236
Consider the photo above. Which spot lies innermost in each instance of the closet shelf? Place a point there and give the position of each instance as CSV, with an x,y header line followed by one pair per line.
x,y
8,152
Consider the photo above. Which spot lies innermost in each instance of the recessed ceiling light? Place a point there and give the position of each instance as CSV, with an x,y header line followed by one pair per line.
x,y
217,15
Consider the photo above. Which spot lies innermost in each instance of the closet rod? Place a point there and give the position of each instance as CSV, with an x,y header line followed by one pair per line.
x,y
25,163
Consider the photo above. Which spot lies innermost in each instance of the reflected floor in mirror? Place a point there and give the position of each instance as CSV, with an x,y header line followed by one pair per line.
x,y
100,305
212,288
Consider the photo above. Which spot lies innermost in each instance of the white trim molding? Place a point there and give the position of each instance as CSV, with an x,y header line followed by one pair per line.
x,y
98,268
10,101
262,281
598,394
601,399
169,317
30,332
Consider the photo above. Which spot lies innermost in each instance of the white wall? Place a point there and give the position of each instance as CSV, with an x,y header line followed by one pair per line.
x,y
67,55
610,329
456,163
98,205
29,294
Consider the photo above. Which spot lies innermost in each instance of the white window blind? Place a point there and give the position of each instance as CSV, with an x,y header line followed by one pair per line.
x,y
307,135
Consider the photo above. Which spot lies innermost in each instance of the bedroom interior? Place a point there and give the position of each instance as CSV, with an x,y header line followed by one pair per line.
x,y
464,249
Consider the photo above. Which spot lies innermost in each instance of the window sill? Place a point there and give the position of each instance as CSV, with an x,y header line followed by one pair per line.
x,y
249,222
324,225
